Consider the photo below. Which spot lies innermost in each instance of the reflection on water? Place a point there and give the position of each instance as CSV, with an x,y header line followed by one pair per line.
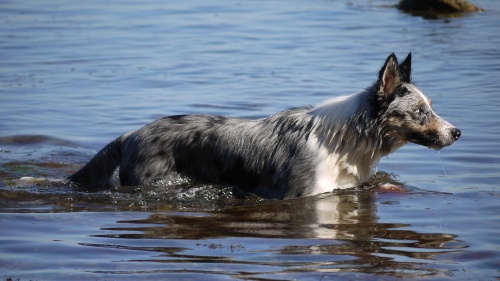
x,y
308,238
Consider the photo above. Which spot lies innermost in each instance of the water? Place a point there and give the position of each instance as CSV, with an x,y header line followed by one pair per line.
x,y
76,75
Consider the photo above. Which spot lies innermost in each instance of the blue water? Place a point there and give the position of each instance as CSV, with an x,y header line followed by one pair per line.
x,y
75,75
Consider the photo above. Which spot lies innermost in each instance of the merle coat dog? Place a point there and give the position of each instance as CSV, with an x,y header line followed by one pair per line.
x,y
293,153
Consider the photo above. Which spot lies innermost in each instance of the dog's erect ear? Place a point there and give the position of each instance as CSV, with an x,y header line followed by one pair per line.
x,y
389,77
405,69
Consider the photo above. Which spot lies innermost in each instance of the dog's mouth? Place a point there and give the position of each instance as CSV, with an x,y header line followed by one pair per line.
x,y
436,142
438,146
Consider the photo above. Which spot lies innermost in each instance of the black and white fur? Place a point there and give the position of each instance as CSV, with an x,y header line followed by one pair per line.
x,y
293,153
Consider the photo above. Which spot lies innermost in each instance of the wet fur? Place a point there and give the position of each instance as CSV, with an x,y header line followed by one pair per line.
x,y
293,153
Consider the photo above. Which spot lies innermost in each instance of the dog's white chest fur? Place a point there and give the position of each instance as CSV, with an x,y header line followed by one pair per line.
x,y
339,170
346,156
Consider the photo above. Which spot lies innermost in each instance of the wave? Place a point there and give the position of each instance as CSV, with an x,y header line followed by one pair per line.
x,y
35,139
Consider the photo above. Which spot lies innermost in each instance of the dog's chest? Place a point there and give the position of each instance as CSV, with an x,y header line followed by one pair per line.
x,y
341,170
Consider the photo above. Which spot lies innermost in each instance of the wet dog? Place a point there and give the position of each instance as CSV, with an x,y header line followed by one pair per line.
x,y
293,153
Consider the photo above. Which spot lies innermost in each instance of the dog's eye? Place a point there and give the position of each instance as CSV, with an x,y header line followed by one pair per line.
x,y
420,111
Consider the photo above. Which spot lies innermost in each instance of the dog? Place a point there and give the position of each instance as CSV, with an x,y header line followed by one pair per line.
x,y
294,153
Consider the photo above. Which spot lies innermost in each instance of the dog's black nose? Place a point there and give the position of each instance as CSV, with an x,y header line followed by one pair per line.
x,y
456,133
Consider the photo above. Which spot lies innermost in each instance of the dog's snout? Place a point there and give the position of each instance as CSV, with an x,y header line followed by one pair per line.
x,y
456,133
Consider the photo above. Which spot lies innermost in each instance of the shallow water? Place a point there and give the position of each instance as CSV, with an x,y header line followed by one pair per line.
x,y
77,75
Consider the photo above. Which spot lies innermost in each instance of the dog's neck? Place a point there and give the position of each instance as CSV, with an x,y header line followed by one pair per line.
x,y
350,129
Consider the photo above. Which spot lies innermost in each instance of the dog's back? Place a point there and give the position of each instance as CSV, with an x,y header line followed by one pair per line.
x,y
269,157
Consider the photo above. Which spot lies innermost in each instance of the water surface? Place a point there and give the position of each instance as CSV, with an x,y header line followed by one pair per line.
x,y
77,75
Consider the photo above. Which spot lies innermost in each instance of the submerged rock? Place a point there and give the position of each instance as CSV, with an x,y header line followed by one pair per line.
x,y
436,8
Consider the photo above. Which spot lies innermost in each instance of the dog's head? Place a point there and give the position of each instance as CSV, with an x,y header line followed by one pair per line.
x,y
406,113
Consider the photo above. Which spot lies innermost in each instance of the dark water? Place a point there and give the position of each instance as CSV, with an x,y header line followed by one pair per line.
x,y
75,75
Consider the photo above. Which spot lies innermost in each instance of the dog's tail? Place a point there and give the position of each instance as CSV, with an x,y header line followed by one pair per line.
x,y
96,174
